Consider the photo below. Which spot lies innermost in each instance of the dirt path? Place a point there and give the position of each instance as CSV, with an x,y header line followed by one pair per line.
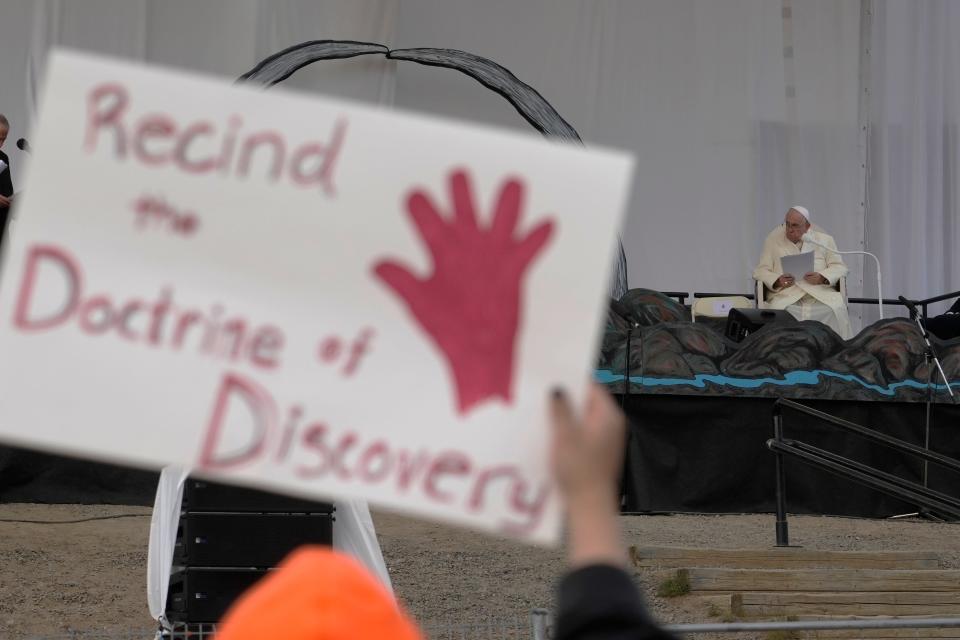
x,y
92,575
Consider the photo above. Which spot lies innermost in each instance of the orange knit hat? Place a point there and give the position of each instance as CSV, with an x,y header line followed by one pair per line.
x,y
317,594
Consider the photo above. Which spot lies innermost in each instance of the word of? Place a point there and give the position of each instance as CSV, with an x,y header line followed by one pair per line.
x,y
331,350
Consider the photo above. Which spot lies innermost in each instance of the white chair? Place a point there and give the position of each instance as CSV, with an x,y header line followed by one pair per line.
x,y
717,306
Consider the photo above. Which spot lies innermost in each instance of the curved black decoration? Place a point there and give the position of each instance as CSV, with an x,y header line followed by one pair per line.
x,y
532,106
283,64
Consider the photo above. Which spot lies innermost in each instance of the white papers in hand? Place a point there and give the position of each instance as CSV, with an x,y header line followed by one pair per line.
x,y
798,265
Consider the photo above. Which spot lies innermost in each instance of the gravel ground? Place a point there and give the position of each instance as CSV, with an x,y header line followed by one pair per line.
x,y
91,575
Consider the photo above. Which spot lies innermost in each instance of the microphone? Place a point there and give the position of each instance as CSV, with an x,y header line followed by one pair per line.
x,y
23,145
806,237
909,305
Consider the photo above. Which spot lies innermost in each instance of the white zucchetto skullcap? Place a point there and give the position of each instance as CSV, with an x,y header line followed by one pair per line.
x,y
802,211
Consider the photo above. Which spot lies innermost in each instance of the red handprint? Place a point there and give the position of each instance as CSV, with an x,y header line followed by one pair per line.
x,y
470,304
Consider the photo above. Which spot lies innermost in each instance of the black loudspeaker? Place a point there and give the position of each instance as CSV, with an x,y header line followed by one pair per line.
x,y
201,495
247,539
743,322
201,595
945,327
230,537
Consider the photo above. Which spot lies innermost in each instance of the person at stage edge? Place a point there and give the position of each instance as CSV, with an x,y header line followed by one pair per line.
x,y
6,184
814,297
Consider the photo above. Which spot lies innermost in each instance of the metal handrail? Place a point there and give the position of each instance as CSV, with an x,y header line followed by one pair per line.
x,y
850,469
940,298
890,301
681,296
925,303
863,474
870,434
883,475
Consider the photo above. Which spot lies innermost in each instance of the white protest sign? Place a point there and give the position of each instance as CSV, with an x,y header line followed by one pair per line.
x,y
302,295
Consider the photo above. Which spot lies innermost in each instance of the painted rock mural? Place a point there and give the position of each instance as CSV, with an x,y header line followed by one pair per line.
x,y
662,351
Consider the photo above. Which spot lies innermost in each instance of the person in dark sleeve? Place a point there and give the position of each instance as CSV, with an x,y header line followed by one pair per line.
x,y
6,183
597,598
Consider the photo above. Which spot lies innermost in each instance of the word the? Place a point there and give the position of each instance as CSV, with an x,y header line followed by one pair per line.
x,y
158,323
312,450
203,146
156,213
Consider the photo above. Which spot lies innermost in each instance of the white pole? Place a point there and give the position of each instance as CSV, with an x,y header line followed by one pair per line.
x,y
865,253
879,278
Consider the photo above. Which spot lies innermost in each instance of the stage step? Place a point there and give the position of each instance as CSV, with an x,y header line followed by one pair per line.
x,y
851,634
823,580
833,603
880,634
805,584
781,558
870,634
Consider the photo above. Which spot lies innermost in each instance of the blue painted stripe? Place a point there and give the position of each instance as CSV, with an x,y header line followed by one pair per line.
x,y
791,378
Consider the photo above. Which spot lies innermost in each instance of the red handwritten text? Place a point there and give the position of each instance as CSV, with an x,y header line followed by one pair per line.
x,y
157,323
204,146
154,213
246,428
331,350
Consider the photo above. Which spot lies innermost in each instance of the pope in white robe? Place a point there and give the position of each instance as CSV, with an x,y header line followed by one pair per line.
x,y
814,296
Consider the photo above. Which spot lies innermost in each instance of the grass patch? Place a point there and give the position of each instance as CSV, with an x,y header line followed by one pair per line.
x,y
676,585
724,615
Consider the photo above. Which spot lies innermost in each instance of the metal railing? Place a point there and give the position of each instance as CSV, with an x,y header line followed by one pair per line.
x,y
540,625
926,303
866,475
922,304
543,625
681,297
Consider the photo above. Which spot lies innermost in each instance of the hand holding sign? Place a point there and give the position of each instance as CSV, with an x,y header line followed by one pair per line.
x,y
470,304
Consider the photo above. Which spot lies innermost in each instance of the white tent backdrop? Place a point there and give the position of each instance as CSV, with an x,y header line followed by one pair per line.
x,y
736,109
914,209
